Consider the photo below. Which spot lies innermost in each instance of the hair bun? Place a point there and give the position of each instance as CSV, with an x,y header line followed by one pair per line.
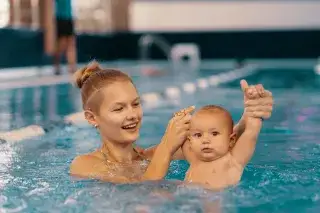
x,y
84,73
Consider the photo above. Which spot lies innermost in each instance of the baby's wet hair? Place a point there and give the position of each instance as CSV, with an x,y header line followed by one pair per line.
x,y
218,109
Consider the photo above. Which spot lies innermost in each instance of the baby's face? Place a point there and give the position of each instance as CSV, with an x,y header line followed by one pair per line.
x,y
210,135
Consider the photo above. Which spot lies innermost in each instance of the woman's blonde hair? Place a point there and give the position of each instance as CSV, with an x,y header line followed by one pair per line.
x,y
92,78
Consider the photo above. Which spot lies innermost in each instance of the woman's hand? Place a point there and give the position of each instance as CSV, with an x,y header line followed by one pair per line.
x,y
177,130
258,102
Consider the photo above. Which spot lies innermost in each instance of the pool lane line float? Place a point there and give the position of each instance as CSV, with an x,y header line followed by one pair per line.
x,y
21,134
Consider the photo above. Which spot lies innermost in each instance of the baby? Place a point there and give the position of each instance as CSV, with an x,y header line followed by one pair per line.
x,y
216,161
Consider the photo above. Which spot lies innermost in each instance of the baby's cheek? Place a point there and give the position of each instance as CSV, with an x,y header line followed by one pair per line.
x,y
193,141
226,146
195,145
221,142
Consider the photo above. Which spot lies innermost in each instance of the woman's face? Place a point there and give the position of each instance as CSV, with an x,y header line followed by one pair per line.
x,y
120,115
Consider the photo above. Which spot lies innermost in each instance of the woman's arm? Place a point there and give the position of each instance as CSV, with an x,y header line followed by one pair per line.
x,y
174,137
159,164
149,152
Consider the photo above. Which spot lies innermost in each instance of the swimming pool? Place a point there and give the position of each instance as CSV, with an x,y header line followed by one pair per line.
x,y
283,176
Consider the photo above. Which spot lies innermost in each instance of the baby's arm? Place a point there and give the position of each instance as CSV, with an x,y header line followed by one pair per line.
x,y
244,148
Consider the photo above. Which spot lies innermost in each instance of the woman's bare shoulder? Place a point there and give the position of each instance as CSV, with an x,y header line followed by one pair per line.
x,y
93,166
86,164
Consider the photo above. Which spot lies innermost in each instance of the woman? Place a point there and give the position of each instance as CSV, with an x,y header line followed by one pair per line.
x,y
112,105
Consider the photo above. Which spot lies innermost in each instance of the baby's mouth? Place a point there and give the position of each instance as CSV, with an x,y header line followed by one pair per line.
x,y
207,150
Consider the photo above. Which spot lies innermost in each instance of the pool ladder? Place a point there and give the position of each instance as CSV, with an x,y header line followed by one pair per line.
x,y
317,67
175,53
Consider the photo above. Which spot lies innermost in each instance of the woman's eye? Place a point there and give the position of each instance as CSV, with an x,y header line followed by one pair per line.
x,y
136,104
118,109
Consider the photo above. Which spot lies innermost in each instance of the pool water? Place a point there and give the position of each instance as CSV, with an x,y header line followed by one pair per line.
x,y
283,176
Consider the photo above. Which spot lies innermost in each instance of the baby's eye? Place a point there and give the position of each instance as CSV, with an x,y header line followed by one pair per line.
x,y
197,135
215,133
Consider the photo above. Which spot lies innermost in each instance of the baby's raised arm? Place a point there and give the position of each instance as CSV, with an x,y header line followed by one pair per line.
x,y
244,148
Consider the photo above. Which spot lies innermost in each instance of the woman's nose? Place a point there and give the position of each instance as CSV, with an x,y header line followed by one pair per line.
x,y
132,114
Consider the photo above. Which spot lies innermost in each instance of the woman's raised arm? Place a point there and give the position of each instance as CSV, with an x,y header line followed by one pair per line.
x,y
175,135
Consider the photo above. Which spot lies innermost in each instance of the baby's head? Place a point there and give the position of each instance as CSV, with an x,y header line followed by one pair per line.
x,y
211,134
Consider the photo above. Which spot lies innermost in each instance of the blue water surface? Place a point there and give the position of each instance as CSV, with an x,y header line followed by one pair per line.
x,y
283,176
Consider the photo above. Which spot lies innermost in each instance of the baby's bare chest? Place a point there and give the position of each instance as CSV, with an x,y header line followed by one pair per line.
x,y
213,177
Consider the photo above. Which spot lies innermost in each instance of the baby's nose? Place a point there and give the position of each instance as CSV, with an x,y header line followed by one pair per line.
x,y
205,141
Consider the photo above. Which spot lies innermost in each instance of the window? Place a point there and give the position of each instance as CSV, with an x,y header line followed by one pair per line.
x,y
4,13
92,16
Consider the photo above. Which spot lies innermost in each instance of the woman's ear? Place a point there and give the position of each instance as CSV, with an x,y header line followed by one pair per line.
x,y
233,138
90,117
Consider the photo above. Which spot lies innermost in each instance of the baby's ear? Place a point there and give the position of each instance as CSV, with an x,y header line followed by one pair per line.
x,y
233,138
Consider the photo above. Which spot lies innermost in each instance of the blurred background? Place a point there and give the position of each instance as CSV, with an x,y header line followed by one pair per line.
x,y
111,29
